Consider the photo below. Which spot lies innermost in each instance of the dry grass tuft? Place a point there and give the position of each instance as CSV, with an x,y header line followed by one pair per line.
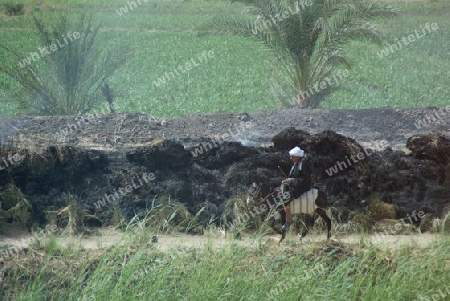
x,y
363,220
380,210
426,223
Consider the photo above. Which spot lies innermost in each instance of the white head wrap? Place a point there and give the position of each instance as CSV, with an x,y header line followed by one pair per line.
x,y
297,152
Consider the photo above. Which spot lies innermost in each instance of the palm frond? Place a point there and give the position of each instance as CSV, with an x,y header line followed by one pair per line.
x,y
308,41
65,81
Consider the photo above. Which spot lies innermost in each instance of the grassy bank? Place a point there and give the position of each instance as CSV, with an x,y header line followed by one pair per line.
x,y
239,76
247,269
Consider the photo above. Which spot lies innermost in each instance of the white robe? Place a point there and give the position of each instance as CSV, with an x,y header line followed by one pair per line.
x,y
306,203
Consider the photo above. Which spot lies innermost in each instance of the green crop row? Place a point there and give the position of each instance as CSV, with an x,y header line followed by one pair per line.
x,y
238,78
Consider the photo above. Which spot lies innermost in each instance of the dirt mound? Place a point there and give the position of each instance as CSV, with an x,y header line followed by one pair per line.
x,y
192,160
433,146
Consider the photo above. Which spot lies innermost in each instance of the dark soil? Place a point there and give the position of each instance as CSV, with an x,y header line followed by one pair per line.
x,y
115,131
205,159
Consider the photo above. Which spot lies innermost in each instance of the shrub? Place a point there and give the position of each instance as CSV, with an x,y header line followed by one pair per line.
x,y
426,223
393,227
14,206
364,221
380,210
14,9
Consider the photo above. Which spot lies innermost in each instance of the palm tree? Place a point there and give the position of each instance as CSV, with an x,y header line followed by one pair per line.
x,y
65,75
308,38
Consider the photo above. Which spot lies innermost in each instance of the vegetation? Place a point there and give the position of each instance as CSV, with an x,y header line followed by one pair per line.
x,y
65,76
142,265
137,269
238,78
14,207
14,9
308,38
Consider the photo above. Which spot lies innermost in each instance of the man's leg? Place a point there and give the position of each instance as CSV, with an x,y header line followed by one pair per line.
x,y
287,210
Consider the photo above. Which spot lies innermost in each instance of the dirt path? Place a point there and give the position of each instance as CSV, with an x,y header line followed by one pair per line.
x,y
109,236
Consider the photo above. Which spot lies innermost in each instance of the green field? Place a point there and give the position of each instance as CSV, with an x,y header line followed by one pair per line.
x,y
239,77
